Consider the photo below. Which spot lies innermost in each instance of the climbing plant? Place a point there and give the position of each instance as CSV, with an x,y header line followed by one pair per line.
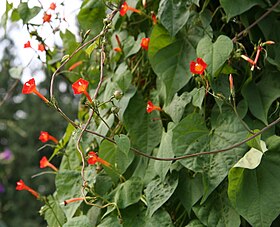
x,y
178,119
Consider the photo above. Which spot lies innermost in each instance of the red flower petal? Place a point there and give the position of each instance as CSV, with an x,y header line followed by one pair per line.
x,y
29,86
44,136
44,162
145,43
80,86
47,18
123,9
198,67
52,6
27,44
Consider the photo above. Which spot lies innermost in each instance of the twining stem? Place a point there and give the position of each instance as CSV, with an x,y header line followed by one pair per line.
x,y
256,21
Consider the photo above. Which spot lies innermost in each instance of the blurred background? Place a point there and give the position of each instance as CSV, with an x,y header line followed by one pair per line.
x,y
22,117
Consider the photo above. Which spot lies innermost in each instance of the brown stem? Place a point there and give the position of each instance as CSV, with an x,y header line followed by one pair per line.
x,y
256,22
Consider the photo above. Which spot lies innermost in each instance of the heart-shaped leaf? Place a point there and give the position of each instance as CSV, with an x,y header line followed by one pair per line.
x,y
214,54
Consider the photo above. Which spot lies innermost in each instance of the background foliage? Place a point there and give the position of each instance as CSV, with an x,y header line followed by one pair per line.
x,y
188,165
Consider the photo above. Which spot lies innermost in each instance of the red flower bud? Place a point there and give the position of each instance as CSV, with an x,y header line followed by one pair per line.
x,y
75,65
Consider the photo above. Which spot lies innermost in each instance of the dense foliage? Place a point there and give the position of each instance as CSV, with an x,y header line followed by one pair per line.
x,y
177,123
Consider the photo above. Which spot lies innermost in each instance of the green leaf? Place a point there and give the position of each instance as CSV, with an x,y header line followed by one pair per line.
x,y
92,47
252,158
165,150
26,13
174,14
136,216
217,210
144,133
254,193
72,159
123,143
131,46
128,192
177,106
68,185
119,159
214,54
159,39
228,130
52,212
158,192
91,16
254,99
81,221
198,96
195,223
16,72
239,6
190,189
171,64
123,77
191,136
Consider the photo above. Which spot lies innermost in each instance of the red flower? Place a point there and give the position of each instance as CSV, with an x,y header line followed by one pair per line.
x,y
198,67
80,86
30,87
41,47
44,162
75,65
27,44
151,107
21,186
52,6
93,158
47,18
45,136
125,8
145,43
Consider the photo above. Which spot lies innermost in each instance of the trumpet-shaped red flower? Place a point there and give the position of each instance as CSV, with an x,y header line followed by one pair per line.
x,y
145,43
44,162
52,6
198,67
22,186
47,17
75,65
41,47
27,44
125,8
151,107
45,136
30,87
80,86
93,158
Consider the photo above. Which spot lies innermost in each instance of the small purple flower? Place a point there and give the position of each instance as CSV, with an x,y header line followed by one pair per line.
x,y
2,188
6,154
